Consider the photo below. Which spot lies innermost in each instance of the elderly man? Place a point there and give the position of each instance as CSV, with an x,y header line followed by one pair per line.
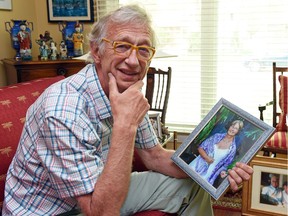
x,y
77,146
272,194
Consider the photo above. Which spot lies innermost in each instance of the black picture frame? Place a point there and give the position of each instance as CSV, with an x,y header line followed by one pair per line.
x,y
249,141
67,10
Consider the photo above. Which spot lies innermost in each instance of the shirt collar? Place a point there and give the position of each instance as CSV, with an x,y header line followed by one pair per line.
x,y
101,101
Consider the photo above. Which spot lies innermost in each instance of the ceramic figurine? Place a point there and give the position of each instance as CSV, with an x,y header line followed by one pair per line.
x,y
24,39
53,51
78,40
13,31
43,49
46,37
63,50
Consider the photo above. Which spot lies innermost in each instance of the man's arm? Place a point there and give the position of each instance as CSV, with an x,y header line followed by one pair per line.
x,y
110,191
159,160
112,186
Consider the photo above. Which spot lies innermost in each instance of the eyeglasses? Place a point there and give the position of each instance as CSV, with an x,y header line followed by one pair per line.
x,y
145,53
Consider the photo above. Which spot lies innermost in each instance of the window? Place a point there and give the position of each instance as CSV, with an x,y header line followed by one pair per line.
x,y
101,7
224,49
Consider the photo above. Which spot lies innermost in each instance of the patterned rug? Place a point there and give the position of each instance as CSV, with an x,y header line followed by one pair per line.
x,y
230,201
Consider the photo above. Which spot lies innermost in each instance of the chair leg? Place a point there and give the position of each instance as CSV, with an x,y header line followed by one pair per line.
x,y
175,139
266,153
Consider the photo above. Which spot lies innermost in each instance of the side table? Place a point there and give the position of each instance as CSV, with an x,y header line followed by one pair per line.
x,y
21,71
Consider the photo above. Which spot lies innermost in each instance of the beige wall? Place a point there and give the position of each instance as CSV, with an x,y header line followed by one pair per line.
x,y
34,11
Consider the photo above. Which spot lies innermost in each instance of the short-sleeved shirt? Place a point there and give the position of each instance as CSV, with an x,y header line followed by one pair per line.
x,y
64,146
273,194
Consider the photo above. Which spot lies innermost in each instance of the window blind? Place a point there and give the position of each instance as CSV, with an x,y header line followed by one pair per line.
x,y
101,7
224,49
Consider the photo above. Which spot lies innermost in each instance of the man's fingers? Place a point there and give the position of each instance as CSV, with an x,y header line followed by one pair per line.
x,y
113,88
236,177
248,169
233,184
138,85
241,172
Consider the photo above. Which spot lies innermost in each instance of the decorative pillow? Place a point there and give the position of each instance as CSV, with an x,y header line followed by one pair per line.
x,y
283,103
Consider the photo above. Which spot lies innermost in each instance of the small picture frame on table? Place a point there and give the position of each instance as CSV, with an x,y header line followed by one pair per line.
x,y
156,123
261,201
227,135
67,10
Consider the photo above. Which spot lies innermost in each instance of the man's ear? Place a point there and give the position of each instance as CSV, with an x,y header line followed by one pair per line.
x,y
95,53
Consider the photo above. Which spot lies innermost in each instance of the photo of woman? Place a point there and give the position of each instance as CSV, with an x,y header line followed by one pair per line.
x,y
225,136
216,153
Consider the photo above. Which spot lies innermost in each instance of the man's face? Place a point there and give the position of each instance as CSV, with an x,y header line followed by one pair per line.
x,y
127,70
274,181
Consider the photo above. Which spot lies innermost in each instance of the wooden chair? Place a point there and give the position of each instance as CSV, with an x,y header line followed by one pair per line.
x,y
158,89
279,141
157,92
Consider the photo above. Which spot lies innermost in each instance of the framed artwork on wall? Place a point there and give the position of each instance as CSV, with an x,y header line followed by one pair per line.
x,y
69,10
5,4
267,190
225,136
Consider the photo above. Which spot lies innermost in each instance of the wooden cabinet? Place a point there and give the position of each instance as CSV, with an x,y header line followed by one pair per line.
x,y
21,71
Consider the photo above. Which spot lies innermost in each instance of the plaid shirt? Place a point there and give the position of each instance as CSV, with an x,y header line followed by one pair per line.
x,y
64,147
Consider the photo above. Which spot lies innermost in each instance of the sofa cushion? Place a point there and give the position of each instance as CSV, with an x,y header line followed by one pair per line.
x,y
283,103
279,141
14,102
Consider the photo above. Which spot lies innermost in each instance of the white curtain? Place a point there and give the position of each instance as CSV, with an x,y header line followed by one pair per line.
x,y
224,48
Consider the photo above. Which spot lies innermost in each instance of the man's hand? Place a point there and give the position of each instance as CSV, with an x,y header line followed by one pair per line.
x,y
241,172
130,106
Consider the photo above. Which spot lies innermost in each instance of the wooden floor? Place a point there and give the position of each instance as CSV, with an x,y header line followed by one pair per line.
x,y
220,212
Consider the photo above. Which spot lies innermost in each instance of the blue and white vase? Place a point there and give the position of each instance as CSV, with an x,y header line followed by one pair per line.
x,y
68,28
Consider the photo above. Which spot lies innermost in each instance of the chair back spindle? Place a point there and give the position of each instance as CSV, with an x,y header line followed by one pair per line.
x,y
158,89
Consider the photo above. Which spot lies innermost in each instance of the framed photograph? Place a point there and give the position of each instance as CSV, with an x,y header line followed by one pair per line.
x,y
5,4
267,190
70,10
156,123
226,135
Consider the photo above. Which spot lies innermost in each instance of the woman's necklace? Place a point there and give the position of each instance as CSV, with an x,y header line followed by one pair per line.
x,y
224,143
227,141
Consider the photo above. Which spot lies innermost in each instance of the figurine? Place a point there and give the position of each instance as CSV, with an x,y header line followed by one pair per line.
x,y
78,39
47,38
53,50
43,51
63,50
24,39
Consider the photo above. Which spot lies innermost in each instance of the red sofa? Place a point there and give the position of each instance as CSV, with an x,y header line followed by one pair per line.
x,y
14,101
